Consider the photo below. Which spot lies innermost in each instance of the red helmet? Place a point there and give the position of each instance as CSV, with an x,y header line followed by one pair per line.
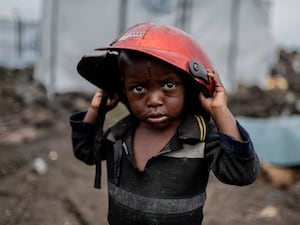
x,y
166,43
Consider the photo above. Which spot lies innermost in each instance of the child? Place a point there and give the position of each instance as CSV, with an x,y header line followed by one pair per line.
x,y
178,129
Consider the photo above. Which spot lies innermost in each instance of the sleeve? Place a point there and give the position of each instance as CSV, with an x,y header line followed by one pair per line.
x,y
232,161
82,135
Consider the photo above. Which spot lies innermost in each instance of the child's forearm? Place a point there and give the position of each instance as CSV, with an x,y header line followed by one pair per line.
x,y
91,115
92,112
226,122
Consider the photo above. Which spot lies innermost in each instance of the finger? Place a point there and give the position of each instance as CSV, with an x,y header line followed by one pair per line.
x,y
113,101
99,93
202,98
214,75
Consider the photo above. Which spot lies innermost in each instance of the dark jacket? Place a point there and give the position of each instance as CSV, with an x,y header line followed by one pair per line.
x,y
171,189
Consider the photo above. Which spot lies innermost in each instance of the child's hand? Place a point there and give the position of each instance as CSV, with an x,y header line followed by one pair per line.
x,y
93,109
216,106
111,103
218,101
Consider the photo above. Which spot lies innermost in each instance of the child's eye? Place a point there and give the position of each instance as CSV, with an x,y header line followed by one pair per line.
x,y
138,89
169,85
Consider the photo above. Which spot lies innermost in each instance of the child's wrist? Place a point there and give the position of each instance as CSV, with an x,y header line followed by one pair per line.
x,y
219,111
93,109
91,115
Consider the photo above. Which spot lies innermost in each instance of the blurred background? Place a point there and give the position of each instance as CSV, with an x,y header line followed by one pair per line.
x,y
255,46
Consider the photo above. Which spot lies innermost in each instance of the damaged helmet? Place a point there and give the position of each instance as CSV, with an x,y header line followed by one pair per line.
x,y
166,43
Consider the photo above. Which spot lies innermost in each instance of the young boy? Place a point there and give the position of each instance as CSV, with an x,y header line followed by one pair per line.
x,y
179,128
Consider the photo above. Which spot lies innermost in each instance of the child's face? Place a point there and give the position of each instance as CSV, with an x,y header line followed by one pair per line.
x,y
155,92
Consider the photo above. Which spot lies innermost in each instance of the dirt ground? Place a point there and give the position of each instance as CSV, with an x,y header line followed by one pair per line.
x,y
43,184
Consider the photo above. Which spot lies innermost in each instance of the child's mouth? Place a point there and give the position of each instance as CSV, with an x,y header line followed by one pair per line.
x,y
154,119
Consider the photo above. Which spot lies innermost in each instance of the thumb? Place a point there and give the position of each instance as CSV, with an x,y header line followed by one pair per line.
x,y
202,97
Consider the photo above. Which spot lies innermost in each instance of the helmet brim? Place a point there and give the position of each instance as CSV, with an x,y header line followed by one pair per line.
x,y
169,56
103,72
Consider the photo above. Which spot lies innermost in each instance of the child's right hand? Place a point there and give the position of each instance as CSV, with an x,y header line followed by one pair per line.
x,y
111,102
94,106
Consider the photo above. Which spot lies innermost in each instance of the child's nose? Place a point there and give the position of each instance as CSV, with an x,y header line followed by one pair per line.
x,y
154,98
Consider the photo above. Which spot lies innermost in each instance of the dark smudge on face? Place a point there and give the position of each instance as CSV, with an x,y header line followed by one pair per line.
x,y
149,65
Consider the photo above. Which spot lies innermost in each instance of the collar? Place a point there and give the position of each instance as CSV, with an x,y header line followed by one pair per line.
x,y
189,132
192,129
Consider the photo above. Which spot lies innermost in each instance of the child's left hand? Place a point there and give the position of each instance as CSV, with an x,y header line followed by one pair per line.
x,y
218,101
216,106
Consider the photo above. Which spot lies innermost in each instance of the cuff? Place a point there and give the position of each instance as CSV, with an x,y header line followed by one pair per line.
x,y
243,148
79,127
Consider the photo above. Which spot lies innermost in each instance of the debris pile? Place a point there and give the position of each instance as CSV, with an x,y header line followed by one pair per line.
x,y
280,98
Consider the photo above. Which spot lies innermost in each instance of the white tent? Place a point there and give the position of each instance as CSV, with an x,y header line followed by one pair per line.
x,y
235,34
